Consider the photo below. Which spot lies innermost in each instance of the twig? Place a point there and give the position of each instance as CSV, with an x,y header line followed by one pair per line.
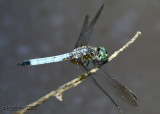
x,y
58,93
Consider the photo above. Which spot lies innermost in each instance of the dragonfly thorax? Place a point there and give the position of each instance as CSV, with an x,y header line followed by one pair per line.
x,y
88,53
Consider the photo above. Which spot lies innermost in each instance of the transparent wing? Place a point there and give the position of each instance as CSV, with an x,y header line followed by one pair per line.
x,y
116,89
117,92
87,29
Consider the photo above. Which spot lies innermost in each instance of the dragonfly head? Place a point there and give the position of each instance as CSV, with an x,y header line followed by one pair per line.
x,y
101,54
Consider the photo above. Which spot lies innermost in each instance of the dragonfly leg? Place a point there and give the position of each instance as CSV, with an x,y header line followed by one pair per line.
x,y
87,63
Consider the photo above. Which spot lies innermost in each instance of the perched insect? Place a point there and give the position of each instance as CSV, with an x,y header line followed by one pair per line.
x,y
83,55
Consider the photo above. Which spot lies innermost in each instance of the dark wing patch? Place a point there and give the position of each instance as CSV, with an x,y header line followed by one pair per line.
x,y
87,29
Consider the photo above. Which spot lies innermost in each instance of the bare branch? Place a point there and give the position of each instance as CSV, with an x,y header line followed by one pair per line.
x,y
125,46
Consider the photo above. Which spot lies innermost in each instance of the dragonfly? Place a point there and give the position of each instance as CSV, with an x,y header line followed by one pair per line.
x,y
85,56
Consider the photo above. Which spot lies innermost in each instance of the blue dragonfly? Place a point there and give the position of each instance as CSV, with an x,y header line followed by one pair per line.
x,y
86,56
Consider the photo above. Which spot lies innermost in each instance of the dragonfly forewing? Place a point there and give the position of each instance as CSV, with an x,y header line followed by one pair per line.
x,y
87,29
116,90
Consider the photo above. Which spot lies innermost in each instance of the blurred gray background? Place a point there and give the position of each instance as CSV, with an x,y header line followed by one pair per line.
x,y
40,28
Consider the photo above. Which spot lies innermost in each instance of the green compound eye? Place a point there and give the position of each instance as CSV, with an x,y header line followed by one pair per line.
x,y
102,53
